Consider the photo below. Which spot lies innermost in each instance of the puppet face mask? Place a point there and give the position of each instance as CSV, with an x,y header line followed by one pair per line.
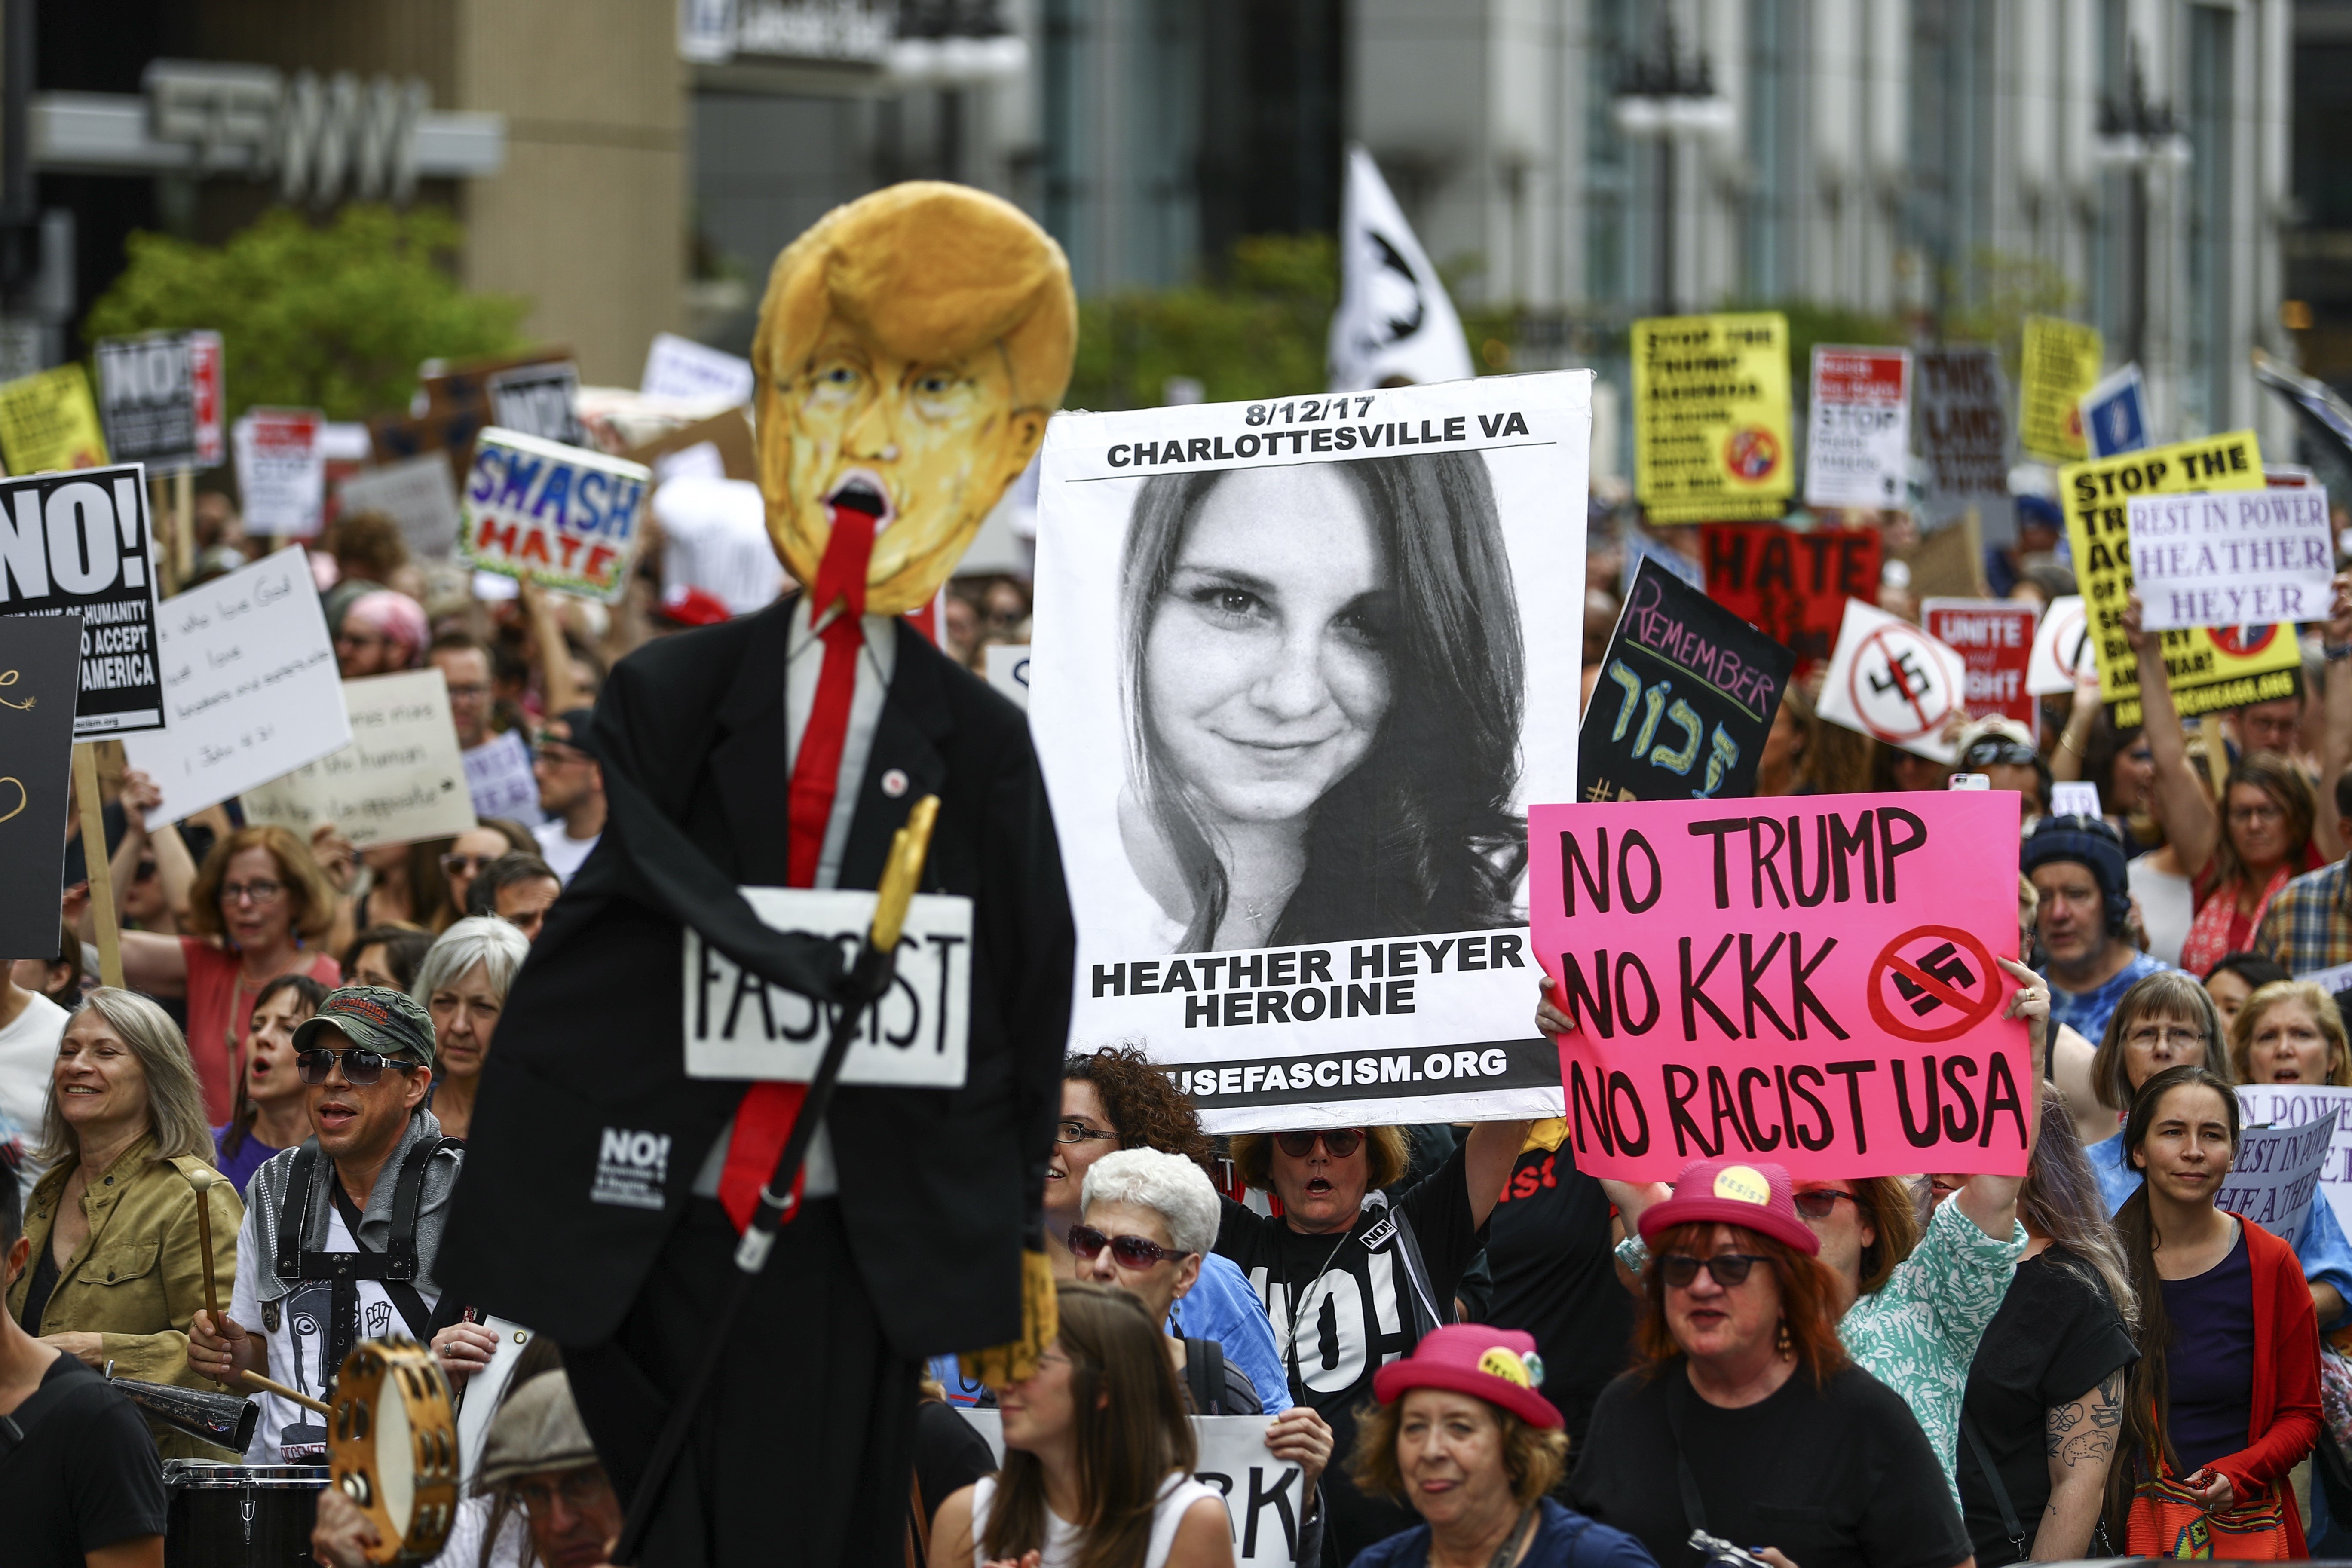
x,y
878,397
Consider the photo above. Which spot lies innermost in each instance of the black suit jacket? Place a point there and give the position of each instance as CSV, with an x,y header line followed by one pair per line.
x,y
937,1187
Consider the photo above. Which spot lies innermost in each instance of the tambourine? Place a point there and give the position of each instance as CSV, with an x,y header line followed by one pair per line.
x,y
393,1446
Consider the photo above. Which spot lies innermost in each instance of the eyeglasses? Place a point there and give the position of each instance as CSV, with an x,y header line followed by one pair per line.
x,y
360,1068
1078,1132
470,691
1133,1251
1729,1268
2263,810
2148,1037
1339,1145
261,894
464,865
1821,1203
579,1490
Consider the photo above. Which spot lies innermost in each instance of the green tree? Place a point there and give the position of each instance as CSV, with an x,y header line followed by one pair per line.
x,y
1257,331
335,316
1990,297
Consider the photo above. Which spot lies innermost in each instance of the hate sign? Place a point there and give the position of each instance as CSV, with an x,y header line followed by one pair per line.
x,y
2232,559
1817,986
1687,695
1791,586
558,515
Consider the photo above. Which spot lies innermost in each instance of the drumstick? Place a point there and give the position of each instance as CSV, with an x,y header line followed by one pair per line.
x,y
202,1179
261,1384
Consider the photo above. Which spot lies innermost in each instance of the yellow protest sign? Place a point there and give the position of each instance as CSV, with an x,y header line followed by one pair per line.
x,y
2208,668
49,421
1711,418
2061,361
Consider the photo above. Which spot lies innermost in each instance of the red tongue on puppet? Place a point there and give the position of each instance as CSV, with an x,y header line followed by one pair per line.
x,y
842,572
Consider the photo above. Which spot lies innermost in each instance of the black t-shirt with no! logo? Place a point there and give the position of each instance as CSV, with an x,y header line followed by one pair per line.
x,y
1342,1306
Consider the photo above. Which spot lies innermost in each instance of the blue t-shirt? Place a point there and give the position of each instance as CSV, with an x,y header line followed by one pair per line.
x,y
1222,1306
1564,1540
250,1156
2321,1245
2087,1012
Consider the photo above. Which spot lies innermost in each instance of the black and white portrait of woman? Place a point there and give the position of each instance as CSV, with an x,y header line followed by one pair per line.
x,y
1322,684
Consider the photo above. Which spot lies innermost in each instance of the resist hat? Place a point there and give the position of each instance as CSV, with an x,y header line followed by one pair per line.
x,y
375,1018
1755,1193
1497,1366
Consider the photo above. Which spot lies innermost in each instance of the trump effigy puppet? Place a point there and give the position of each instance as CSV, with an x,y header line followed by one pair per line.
x,y
910,349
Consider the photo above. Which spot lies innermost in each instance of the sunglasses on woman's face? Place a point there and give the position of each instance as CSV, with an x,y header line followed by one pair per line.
x,y
1823,1202
360,1068
1339,1145
464,865
1729,1268
1131,1251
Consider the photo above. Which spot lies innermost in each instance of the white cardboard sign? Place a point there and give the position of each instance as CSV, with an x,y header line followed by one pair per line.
x,y
1358,600
2288,1153
1858,430
1262,1493
1892,682
418,493
498,778
1008,670
401,779
2063,649
739,1027
2232,558
680,367
280,471
250,686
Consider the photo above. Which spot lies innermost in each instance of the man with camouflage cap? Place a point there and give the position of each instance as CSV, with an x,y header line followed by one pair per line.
x,y
341,1234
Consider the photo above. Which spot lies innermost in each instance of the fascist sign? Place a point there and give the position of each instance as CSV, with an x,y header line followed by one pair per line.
x,y
81,543
160,396
558,515
1893,682
1858,432
40,665
1815,986
1995,639
1711,418
1791,586
1687,695
2231,560
2208,668
2061,361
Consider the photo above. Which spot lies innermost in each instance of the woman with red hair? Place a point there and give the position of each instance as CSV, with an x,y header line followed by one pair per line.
x,y
1745,1417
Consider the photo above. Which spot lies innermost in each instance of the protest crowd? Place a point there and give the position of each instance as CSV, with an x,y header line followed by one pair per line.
x,y
358,1078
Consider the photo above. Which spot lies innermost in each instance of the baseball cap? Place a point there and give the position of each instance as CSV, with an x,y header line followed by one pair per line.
x,y
1497,1366
1753,1193
375,1018
577,720
688,607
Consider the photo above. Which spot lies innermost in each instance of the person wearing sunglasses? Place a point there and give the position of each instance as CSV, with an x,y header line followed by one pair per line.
x,y
2002,750
476,848
1743,1415
1353,1276
1151,1218
370,1188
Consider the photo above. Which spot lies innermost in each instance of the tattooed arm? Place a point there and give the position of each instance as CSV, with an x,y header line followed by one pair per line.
x,y
2080,1440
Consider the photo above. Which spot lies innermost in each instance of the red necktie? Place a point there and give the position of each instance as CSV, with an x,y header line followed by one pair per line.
x,y
763,1121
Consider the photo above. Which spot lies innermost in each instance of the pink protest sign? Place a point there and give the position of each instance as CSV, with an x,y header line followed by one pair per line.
x,y
1807,980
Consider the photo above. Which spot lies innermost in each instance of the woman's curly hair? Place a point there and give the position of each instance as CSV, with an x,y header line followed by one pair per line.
x,y
1142,1102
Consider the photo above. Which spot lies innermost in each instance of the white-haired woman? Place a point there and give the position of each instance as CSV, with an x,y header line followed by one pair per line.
x,y
117,1268
1149,1218
463,982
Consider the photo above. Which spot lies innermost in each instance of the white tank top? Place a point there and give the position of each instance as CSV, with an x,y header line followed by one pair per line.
x,y
1179,1492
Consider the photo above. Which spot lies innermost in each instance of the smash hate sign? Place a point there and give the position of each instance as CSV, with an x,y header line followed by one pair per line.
x,y
1816,985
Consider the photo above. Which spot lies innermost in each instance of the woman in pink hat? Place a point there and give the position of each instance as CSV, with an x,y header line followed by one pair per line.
x,y
1744,1416
1463,1438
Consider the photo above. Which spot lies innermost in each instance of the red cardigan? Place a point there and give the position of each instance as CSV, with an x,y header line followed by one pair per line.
x,y
2283,1426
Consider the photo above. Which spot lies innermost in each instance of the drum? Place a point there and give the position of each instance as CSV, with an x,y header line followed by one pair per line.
x,y
239,1516
393,1445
